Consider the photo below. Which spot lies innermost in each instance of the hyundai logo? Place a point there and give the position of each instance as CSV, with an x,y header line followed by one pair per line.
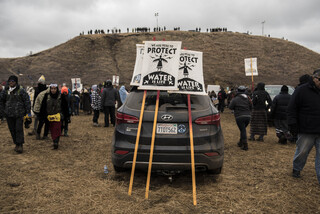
x,y
166,117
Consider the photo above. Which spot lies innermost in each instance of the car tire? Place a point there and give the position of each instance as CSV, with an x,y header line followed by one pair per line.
x,y
119,169
215,171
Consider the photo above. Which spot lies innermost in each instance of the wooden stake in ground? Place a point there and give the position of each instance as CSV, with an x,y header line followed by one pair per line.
x,y
194,192
137,141
252,88
152,143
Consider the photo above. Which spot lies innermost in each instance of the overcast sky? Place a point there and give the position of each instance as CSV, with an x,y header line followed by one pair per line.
x,y
36,25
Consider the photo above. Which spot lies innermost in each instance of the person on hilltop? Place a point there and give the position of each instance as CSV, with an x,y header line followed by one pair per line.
x,y
54,106
221,98
95,104
279,114
15,103
108,101
37,90
241,104
261,102
304,121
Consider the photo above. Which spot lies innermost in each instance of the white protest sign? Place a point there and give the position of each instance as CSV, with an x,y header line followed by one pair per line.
x,y
76,84
250,65
190,73
115,80
160,65
136,77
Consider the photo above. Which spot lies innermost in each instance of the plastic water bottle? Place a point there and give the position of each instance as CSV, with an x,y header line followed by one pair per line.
x,y
106,169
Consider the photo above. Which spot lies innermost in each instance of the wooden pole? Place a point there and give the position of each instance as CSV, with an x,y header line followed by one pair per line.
x,y
194,193
252,87
137,141
152,144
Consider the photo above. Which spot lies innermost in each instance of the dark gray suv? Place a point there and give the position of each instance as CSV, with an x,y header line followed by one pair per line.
x,y
172,142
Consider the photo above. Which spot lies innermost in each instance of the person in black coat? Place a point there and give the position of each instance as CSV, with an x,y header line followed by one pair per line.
x,y
15,104
242,105
261,102
304,121
279,114
221,98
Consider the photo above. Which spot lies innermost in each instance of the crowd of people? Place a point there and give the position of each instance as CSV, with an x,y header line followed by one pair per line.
x,y
53,108
296,117
147,29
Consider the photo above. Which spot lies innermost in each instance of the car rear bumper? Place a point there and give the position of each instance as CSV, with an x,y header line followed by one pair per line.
x,y
169,161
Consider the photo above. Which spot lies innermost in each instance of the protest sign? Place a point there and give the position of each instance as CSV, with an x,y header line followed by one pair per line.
x,y
115,80
160,65
136,77
76,84
190,73
250,65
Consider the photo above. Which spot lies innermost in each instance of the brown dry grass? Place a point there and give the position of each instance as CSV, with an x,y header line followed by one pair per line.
x,y
71,179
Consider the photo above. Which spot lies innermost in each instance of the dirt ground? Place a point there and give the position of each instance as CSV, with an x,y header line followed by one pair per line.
x,y
71,179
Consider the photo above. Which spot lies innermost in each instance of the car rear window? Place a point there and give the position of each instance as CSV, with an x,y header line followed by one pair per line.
x,y
167,101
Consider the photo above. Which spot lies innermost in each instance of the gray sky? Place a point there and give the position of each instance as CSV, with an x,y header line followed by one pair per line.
x,y
36,25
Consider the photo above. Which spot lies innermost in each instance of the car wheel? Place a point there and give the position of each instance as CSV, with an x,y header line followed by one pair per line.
x,y
215,171
119,169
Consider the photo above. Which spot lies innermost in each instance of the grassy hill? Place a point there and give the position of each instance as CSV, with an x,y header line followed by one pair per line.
x,y
95,58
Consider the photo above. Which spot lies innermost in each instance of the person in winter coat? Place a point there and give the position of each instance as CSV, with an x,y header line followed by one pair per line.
x,y
75,102
53,105
241,105
221,98
86,105
108,100
41,87
261,102
65,120
95,104
279,114
15,103
304,121
123,94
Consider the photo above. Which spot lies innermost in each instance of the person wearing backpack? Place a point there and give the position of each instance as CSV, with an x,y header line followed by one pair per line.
x,y
15,103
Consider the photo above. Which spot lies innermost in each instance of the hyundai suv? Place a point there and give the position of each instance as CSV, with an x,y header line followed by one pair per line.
x,y
172,141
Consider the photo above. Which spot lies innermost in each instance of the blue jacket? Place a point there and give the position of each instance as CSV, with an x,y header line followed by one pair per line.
x,y
304,109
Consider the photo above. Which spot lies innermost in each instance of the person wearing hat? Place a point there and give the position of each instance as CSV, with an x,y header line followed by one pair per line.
x,y
304,121
261,102
53,105
66,116
279,114
37,90
15,103
241,105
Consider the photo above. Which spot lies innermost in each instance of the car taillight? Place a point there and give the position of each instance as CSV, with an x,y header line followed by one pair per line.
x,y
213,119
121,152
125,118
